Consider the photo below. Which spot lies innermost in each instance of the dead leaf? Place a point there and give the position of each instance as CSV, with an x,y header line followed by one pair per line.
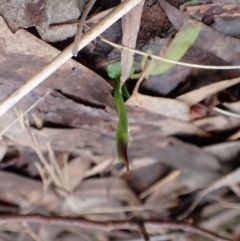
x,y
34,54
195,96
26,192
163,106
217,123
226,151
3,149
130,27
174,15
74,172
224,20
220,219
224,47
234,106
105,193
232,178
42,13
197,166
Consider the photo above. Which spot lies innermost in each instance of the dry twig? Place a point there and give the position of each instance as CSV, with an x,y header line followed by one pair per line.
x,y
109,226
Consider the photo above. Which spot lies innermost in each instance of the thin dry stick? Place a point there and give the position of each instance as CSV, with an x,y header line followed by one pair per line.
x,y
66,54
200,66
109,226
145,68
78,35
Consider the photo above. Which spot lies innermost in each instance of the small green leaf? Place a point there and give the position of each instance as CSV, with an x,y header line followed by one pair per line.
x,y
114,70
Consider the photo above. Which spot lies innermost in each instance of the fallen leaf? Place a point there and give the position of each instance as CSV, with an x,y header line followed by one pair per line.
x,y
130,27
35,54
226,151
232,178
3,149
197,166
234,106
164,106
195,96
104,193
217,123
224,20
224,47
74,172
42,13
220,219
174,15
26,192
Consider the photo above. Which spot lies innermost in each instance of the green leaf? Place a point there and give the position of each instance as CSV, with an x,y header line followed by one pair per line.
x,y
183,40
122,127
114,70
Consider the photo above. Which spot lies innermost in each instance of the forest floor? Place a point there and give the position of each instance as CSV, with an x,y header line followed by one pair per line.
x,y
60,178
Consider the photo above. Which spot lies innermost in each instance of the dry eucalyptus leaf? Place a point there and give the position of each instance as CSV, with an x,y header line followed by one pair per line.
x,y
234,107
100,193
26,192
217,123
42,13
130,27
195,96
232,178
3,149
167,107
74,172
225,151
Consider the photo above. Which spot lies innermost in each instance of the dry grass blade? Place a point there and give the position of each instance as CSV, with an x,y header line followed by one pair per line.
x,y
130,27
23,114
198,95
31,232
99,168
66,54
159,184
131,208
